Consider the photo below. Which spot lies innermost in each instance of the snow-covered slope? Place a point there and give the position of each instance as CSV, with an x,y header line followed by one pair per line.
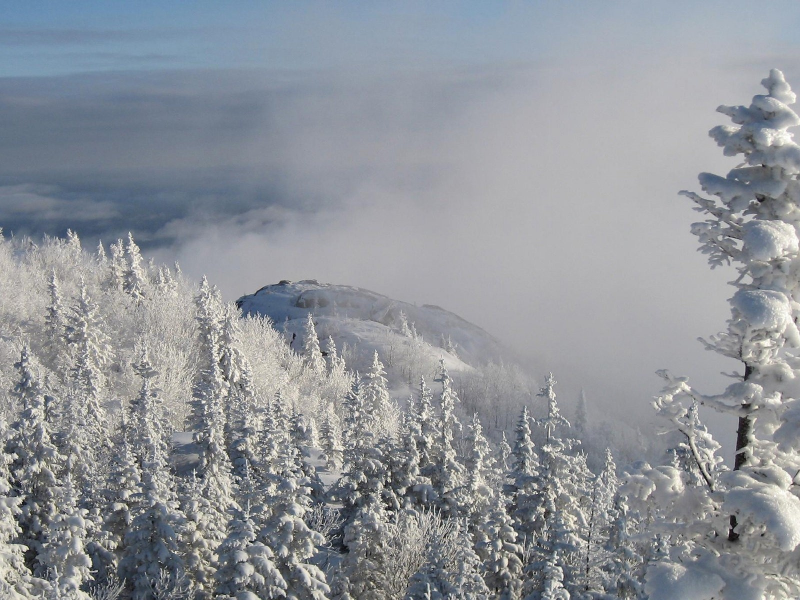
x,y
362,321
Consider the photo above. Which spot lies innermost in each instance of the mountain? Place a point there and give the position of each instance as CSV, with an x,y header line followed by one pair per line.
x,y
360,322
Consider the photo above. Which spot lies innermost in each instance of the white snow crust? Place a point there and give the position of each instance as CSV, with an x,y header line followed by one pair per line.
x,y
671,581
367,321
764,309
767,240
768,506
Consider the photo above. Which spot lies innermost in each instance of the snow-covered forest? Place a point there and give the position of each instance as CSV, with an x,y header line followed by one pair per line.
x,y
159,445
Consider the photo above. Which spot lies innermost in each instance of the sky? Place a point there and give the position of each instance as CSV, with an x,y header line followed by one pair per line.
x,y
517,163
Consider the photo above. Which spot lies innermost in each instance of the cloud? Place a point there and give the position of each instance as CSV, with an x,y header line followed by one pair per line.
x,y
536,199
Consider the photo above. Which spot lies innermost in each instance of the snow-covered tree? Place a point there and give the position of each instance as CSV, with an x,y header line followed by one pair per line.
x,y
478,463
246,568
293,543
134,278
750,545
377,401
331,439
151,551
522,488
64,553
496,544
55,344
37,464
208,513
312,355
447,474
16,580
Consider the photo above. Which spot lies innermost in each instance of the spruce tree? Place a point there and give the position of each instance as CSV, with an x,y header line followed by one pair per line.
x,y
16,580
37,464
312,355
151,551
752,542
447,474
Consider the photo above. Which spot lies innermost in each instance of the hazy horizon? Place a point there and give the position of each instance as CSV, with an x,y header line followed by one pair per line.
x,y
516,164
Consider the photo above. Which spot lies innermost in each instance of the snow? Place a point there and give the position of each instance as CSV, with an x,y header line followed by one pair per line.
x,y
765,309
767,240
770,507
670,581
367,321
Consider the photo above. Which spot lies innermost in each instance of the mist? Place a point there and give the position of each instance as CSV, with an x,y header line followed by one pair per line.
x,y
532,192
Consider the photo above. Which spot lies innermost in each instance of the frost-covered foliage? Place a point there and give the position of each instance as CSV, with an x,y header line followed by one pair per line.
x,y
736,533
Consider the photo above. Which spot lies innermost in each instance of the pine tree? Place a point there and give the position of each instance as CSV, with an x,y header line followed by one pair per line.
x,y
16,580
246,567
209,511
364,567
117,266
447,475
55,329
312,355
752,216
478,493
331,439
377,401
64,553
134,278
522,489
562,487
426,425
601,518
37,465
87,439
123,485
496,545
364,471
151,550
292,542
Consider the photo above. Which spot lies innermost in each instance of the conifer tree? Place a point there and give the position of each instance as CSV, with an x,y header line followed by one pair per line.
x,y
363,568
496,545
377,401
447,474
478,464
125,478
151,550
752,218
426,425
292,542
87,439
524,474
16,580
117,266
55,329
64,553
364,471
246,568
559,518
312,355
331,440
208,515
37,464
134,279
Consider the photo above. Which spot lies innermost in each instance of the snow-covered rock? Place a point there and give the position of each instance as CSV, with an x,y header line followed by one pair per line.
x,y
364,321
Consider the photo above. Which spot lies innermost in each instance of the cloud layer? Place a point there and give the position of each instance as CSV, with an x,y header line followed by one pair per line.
x,y
536,198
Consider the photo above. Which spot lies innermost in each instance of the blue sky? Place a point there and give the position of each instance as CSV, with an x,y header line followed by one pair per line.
x,y
59,38
515,162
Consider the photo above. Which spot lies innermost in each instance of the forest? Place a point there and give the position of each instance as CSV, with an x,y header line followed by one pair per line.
x,y
157,445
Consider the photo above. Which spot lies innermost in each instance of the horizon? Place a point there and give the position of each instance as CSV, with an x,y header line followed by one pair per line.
x,y
516,164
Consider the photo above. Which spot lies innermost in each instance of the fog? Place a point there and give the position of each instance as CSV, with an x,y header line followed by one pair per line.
x,y
534,194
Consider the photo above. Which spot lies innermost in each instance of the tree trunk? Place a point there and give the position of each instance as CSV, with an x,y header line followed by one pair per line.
x,y
742,435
